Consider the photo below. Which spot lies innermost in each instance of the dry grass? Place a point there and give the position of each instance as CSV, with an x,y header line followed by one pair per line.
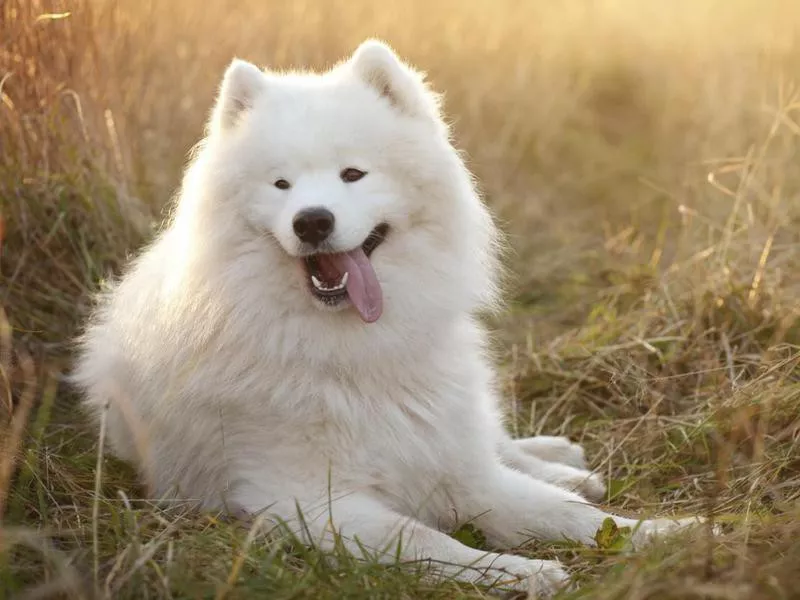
x,y
642,158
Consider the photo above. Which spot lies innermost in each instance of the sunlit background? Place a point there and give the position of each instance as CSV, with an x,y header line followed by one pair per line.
x,y
641,156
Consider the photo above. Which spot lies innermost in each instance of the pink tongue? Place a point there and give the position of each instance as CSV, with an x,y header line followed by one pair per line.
x,y
362,283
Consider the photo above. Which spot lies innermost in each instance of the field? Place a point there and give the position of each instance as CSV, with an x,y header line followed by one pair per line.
x,y
641,157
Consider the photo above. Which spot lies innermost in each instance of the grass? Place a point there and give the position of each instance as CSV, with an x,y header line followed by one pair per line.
x,y
641,156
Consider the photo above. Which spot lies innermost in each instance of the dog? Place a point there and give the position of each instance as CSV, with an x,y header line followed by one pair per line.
x,y
302,340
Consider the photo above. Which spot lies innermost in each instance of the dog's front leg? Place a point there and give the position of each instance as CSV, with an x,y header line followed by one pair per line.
x,y
512,508
363,523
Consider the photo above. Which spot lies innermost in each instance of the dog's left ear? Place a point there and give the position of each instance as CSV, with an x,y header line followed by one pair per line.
x,y
376,64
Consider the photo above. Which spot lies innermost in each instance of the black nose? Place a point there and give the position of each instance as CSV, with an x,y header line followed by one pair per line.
x,y
313,225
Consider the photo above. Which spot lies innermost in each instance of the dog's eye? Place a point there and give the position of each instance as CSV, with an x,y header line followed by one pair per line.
x,y
282,184
351,174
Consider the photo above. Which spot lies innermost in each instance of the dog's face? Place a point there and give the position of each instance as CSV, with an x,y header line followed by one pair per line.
x,y
352,175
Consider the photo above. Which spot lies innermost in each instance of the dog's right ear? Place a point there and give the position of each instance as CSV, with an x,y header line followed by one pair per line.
x,y
242,83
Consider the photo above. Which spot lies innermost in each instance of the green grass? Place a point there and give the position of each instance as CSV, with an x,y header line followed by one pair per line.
x,y
640,156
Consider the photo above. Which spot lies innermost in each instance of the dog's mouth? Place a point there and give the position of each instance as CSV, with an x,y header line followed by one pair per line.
x,y
335,278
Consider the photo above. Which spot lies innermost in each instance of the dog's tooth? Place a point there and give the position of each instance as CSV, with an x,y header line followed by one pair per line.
x,y
323,286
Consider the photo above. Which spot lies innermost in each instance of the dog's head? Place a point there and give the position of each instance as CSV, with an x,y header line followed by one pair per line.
x,y
352,176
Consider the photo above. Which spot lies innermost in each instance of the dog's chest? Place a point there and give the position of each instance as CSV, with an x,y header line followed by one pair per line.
x,y
369,428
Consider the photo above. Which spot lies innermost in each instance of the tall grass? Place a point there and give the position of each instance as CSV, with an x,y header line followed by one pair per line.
x,y
642,157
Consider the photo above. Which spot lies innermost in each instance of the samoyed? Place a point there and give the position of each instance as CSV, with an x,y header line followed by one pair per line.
x,y
301,339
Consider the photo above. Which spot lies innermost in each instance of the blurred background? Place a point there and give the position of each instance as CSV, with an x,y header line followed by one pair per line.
x,y
641,156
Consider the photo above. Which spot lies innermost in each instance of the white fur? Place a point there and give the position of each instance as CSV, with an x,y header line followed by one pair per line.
x,y
227,384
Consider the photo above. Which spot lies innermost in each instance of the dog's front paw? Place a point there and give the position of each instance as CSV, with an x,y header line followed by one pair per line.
x,y
648,531
556,449
539,578
547,581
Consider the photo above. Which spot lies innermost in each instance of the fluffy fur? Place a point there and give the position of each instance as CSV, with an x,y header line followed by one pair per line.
x,y
228,384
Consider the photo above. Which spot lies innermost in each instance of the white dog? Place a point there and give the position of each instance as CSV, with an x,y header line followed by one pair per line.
x,y
303,333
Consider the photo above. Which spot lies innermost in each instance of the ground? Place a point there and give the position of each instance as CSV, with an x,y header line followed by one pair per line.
x,y
641,158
